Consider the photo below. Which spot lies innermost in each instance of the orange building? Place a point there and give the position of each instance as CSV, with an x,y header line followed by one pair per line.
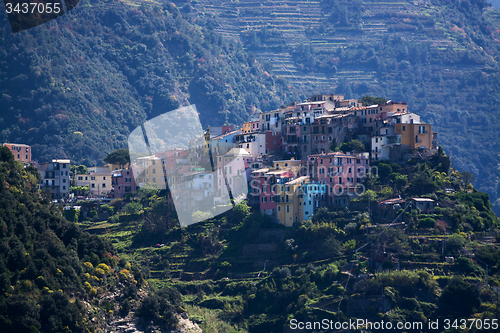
x,y
415,135
22,153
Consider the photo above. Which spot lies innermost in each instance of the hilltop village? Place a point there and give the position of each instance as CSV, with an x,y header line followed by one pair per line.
x,y
288,162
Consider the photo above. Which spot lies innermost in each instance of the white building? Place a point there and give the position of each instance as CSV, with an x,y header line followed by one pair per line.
x,y
254,143
55,178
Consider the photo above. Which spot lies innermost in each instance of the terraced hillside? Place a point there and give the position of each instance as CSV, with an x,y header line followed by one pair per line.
x,y
292,24
440,56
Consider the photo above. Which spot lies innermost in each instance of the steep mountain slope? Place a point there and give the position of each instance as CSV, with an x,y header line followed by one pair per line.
x,y
440,56
44,283
76,86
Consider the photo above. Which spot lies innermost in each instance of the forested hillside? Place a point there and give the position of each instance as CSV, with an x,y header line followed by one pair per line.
x,y
439,56
243,272
44,282
75,87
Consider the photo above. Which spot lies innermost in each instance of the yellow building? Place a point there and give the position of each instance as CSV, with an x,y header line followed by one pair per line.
x,y
151,171
293,165
247,127
99,183
289,195
415,135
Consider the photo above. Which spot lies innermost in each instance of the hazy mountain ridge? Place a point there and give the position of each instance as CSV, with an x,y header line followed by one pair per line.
x,y
104,68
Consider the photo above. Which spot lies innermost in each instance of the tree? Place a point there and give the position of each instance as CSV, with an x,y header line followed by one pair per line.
x,y
455,243
467,178
352,146
79,169
398,180
161,307
332,246
384,171
369,100
459,298
120,157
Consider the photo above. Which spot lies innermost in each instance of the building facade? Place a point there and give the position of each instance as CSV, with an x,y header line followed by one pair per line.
x,y
56,177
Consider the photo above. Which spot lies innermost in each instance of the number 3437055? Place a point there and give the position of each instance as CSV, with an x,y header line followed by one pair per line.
x,y
33,7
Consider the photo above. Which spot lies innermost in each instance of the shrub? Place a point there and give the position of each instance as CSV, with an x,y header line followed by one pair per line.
x,y
427,222
133,207
104,267
161,307
99,272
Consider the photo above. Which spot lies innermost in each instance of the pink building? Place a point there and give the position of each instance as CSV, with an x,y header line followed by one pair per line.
x,y
274,142
123,182
264,188
342,173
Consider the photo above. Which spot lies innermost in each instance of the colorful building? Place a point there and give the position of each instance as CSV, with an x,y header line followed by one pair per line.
x,y
288,198
123,182
313,197
415,135
21,152
342,173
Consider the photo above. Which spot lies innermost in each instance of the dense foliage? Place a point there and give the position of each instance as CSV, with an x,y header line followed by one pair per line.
x,y
48,267
77,86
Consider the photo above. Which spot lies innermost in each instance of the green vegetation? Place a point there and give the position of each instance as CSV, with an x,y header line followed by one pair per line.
x,y
55,277
120,157
243,272
83,85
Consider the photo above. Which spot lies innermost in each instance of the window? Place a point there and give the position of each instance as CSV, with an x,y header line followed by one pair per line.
x,y
154,170
416,138
26,156
287,208
103,177
91,178
64,187
80,178
103,185
93,185
404,128
350,170
64,180
64,166
279,208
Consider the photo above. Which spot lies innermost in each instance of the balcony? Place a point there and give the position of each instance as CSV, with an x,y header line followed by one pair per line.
x,y
394,140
